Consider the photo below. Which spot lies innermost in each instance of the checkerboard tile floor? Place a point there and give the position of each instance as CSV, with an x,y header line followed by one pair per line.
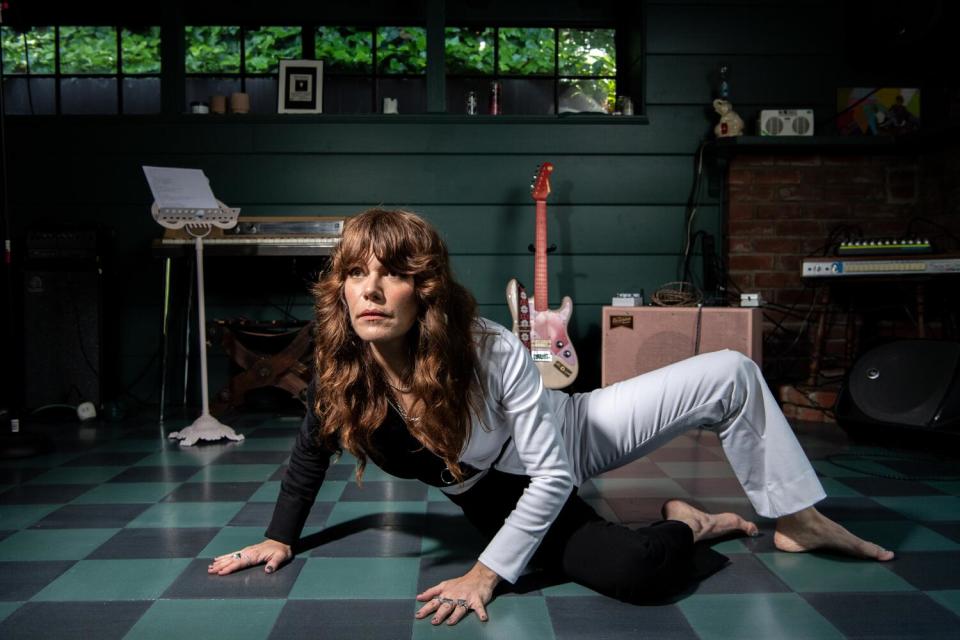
x,y
110,536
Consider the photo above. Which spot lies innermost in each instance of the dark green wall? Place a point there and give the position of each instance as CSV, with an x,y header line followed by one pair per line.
x,y
616,211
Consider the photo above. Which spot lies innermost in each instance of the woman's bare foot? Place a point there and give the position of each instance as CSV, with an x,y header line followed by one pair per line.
x,y
705,525
809,529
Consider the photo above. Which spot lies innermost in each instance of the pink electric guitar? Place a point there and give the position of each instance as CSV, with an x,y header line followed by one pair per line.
x,y
541,330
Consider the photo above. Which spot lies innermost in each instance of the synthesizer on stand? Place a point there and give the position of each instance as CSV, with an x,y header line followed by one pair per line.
x,y
267,236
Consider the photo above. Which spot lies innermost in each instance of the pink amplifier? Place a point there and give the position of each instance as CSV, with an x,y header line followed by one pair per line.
x,y
640,339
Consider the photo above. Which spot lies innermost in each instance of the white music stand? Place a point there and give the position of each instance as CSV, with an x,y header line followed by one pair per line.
x,y
198,223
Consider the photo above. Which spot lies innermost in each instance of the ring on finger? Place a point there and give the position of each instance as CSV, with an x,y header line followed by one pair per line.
x,y
238,555
446,600
462,603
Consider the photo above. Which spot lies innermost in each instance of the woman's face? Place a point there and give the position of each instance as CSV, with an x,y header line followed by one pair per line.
x,y
382,304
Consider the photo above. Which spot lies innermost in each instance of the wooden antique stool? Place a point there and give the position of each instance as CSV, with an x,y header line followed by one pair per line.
x,y
270,354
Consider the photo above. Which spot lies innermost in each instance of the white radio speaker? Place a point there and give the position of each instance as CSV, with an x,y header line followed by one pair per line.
x,y
640,339
786,122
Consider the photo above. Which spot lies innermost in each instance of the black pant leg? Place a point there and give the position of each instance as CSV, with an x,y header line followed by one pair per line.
x,y
626,564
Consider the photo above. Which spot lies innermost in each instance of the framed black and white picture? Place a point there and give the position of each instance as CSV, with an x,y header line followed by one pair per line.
x,y
301,86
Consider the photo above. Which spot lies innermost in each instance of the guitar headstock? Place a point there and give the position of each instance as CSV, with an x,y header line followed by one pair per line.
x,y
540,188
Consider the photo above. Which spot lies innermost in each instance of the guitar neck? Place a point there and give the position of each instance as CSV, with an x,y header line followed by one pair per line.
x,y
540,259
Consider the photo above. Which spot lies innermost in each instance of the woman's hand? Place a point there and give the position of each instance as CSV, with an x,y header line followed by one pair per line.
x,y
271,552
451,600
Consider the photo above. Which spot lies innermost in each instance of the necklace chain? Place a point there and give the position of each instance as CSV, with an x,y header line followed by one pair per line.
x,y
399,408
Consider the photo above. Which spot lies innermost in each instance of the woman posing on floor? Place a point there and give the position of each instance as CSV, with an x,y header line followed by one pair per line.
x,y
408,376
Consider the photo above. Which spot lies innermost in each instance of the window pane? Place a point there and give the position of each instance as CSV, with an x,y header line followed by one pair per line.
x,y
88,50
267,45
344,49
587,96
402,49
141,50
141,95
526,51
587,52
213,49
469,50
36,57
88,95
526,96
29,96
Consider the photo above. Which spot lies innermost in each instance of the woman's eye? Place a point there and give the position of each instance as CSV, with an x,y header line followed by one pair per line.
x,y
356,272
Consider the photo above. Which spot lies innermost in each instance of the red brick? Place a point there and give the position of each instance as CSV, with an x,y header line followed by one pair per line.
x,y
740,244
845,160
789,263
865,174
800,228
743,279
800,192
777,176
778,211
741,211
777,280
813,415
777,245
789,410
752,228
822,210
753,161
739,176
799,161
848,192
751,263
752,193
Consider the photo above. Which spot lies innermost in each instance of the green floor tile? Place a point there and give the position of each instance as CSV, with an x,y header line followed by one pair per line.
x,y
836,489
21,516
730,546
331,490
235,473
852,469
718,469
77,475
929,508
40,462
526,618
268,444
187,514
815,572
132,444
568,590
949,599
435,495
346,511
179,458
902,536
950,486
234,619
759,616
54,544
349,578
267,492
232,539
633,488
127,493
6,608
130,579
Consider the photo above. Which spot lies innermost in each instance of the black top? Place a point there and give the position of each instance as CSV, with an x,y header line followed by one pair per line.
x,y
395,450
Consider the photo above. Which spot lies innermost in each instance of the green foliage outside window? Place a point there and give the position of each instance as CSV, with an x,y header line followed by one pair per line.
x,y
469,50
402,49
212,49
40,43
526,51
266,46
587,52
344,49
88,50
141,50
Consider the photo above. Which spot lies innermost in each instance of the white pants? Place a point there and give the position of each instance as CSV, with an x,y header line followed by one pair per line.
x,y
723,391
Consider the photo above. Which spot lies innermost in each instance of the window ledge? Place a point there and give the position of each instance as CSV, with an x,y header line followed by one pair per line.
x,y
375,118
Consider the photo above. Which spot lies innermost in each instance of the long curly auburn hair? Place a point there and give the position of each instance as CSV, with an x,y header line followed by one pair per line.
x,y
351,398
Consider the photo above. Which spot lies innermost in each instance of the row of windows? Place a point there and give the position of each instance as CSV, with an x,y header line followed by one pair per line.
x,y
69,69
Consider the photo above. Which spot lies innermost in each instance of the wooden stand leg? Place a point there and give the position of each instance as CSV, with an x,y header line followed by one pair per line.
x,y
820,337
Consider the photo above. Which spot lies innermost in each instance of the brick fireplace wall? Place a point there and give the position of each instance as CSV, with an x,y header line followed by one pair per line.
x,y
782,208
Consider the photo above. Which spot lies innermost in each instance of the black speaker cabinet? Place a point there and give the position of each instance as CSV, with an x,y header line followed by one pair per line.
x,y
907,384
63,337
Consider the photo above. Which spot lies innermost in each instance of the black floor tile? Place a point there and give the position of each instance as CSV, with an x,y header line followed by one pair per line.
x,y
21,581
72,620
744,574
844,509
890,487
156,474
150,542
345,620
390,490
108,459
91,516
19,476
213,492
904,616
929,570
372,543
44,493
272,432
253,457
948,529
253,582
599,618
258,514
